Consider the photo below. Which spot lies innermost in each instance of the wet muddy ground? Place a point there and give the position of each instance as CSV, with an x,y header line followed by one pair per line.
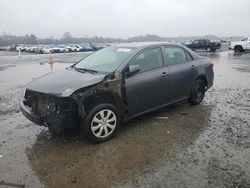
x,y
207,145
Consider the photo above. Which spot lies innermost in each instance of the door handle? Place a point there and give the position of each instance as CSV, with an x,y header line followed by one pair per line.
x,y
164,74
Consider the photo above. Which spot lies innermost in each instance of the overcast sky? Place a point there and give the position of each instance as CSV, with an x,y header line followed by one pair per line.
x,y
125,18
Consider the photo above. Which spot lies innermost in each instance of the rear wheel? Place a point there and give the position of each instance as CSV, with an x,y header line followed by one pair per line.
x,y
101,123
238,49
198,92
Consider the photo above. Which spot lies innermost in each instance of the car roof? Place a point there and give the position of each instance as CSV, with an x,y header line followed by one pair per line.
x,y
141,44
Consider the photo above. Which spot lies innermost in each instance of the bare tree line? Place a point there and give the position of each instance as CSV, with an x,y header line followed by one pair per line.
x,y
7,39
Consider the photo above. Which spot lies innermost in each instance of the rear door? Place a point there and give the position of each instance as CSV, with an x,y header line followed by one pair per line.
x,y
150,87
182,71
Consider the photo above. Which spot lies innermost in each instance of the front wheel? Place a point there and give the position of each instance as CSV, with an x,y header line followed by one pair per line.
x,y
55,130
198,92
101,123
208,49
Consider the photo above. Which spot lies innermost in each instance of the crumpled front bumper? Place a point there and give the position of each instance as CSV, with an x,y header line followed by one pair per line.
x,y
56,119
29,115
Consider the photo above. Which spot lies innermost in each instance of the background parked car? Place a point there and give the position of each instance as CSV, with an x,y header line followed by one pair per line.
x,y
27,48
33,48
46,50
86,47
13,47
72,48
240,46
54,48
96,47
20,47
204,44
63,48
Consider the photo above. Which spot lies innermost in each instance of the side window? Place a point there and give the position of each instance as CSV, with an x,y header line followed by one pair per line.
x,y
175,55
148,60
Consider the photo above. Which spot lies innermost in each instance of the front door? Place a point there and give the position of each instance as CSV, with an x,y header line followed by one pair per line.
x,y
149,88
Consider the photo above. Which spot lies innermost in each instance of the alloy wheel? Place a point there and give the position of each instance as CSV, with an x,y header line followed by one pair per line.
x,y
103,123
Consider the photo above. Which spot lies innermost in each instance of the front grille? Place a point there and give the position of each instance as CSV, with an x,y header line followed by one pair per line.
x,y
37,102
40,103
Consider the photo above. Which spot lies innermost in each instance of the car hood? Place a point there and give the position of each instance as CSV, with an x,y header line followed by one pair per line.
x,y
64,82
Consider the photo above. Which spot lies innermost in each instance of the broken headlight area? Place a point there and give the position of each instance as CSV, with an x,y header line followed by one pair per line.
x,y
52,110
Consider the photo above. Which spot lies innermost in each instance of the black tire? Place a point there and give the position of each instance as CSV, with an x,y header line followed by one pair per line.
x,y
208,49
238,49
198,92
86,123
55,130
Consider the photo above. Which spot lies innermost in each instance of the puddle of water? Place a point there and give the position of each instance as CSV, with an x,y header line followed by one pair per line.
x,y
14,76
141,143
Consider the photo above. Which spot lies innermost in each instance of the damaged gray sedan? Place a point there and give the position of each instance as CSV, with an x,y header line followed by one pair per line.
x,y
114,85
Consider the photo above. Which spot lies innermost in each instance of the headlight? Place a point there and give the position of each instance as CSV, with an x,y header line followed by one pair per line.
x,y
24,92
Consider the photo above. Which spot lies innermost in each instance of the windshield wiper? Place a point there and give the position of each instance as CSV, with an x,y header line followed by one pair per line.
x,y
86,70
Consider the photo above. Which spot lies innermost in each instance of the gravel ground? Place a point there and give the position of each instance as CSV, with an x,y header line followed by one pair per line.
x,y
207,145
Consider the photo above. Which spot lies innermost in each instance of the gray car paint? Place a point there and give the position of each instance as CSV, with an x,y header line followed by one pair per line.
x,y
134,94
64,82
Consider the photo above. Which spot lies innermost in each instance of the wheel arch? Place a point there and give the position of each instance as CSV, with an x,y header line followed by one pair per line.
x,y
103,97
238,46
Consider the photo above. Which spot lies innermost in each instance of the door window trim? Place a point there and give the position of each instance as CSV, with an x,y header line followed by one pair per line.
x,y
187,53
176,46
140,52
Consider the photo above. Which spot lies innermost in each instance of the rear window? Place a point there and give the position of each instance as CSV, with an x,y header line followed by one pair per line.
x,y
175,55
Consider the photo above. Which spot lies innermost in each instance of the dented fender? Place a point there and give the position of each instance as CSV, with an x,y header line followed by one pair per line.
x,y
110,86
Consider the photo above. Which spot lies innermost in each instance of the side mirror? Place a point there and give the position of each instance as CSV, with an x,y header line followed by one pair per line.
x,y
132,69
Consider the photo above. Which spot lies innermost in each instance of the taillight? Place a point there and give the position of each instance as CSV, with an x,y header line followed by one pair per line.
x,y
211,64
